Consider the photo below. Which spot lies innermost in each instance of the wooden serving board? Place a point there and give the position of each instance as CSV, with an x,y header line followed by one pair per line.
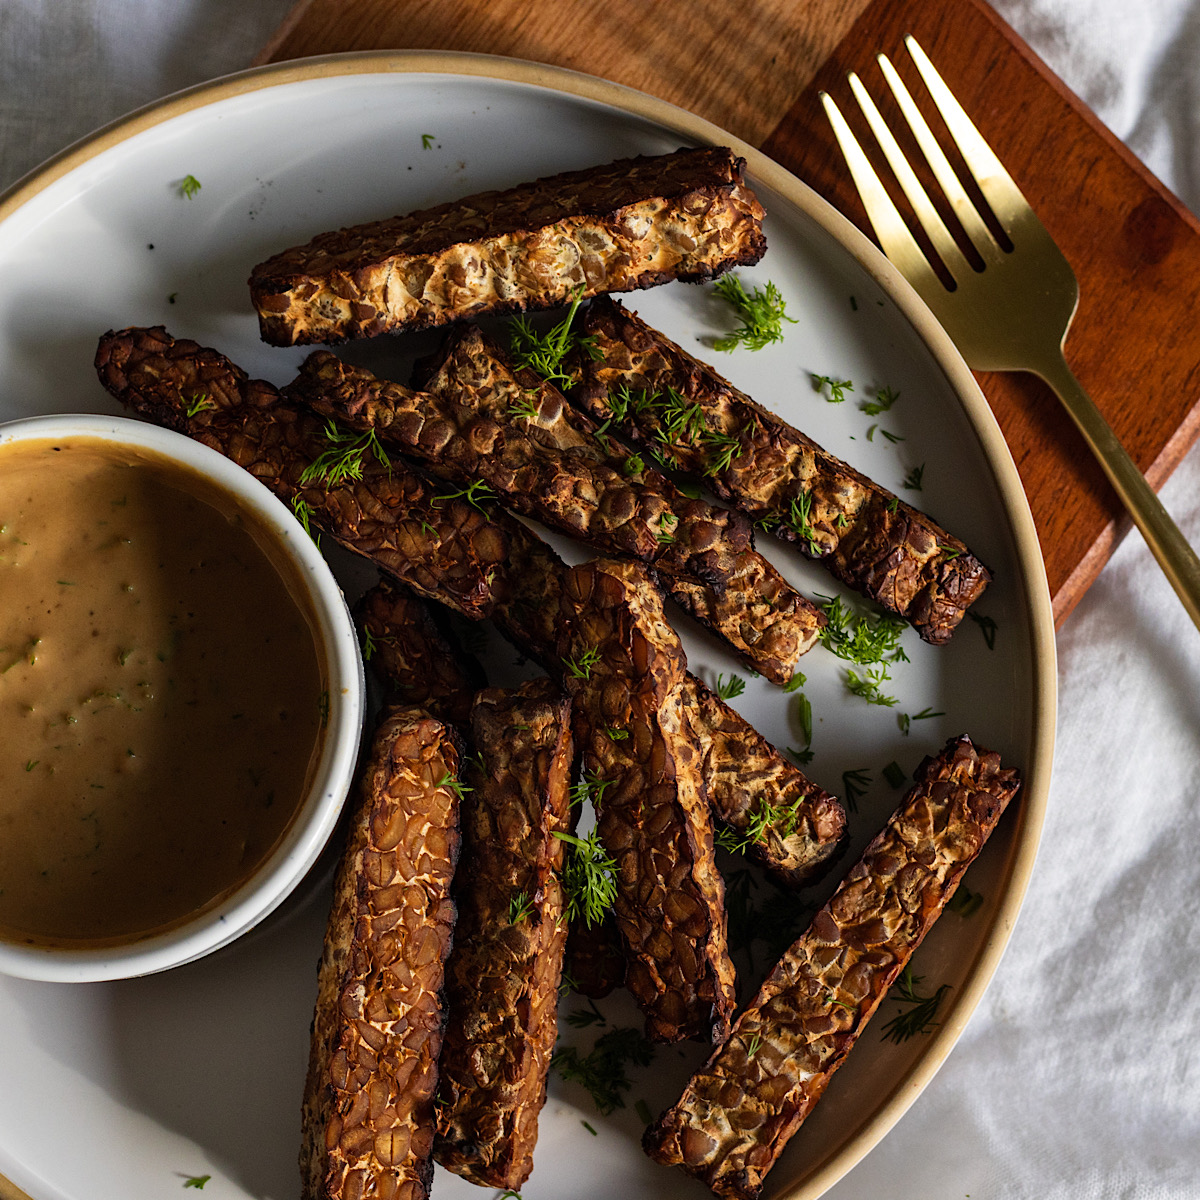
x,y
755,67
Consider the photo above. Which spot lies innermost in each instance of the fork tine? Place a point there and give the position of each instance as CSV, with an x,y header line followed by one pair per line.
x,y
979,234
994,181
939,235
898,243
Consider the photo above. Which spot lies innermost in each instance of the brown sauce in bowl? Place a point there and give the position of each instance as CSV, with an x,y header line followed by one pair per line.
x,y
161,694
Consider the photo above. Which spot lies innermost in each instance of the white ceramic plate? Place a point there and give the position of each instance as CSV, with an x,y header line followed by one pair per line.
x,y
124,1091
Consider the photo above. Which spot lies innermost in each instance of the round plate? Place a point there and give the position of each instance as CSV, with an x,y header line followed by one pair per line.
x,y
126,1091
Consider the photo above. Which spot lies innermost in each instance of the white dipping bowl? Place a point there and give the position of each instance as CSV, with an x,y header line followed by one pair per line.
x,y
337,649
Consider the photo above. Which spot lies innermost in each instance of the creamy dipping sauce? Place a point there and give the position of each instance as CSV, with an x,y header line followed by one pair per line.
x,y
161,695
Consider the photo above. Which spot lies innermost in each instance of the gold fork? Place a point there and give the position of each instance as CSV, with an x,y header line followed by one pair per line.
x,y
1014,314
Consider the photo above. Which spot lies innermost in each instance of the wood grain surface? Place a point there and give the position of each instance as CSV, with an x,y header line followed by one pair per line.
x,y
755,67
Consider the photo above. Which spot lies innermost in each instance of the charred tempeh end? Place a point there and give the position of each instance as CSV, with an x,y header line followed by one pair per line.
x,y
631,224
502,979
747,778
377,1031
739,1110
625,670
867,537
445,549
413,657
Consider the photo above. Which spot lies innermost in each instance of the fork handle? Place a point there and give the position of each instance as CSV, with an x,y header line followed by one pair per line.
x,y
1176,557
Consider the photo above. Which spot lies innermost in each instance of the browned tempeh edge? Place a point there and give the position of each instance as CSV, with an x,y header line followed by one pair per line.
x,y
739,1110
503,975
630,224
865,536
413,657
368,1111
471,421
650,810
159,377
447,550
595,961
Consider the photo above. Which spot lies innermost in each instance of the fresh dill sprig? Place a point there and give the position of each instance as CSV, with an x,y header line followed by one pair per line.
x,y
728,689
525,409
837,387
589,878
667,525
590,788
802,756
894,774
543,353
762,313
602,1071
369,644
753,1044
864,638
885,397
919,1018
799,522
520,907
476,494
201,402
913,480
722,449
189,185
869,685
581,1018
343,459
986,626
304,514
616,734
797,681
456,786
855,784
581,667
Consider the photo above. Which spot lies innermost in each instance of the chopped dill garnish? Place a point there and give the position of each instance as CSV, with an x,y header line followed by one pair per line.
x,y
590,788
544,353
728,689
904,720
803,757
589,878
304,514
919,1018
797,681
590,1128
476,494
525,409
855,784
865,638
949,553
602,1071
965,902
885,397
581,1018
797,520
369,645
616,734
837,387
869,685
189,185
667,524
752,1046
201,402
427,141
520,907
871,433
581,667
987,627
342,461
804,716
456,786
196,1181
762,313
892,437
912,481
894,774
723,449
33,762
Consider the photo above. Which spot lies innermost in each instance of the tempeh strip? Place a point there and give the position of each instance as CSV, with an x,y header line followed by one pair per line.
x,y
448,549
863,534
413,657
478,419
739,1110
625,673
377,1030
629,224
595,961
502,978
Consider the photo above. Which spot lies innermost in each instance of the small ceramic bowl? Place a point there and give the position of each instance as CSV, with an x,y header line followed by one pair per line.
x,y
337,647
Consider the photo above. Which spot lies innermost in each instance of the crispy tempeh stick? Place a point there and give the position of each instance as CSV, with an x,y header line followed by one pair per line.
x,y
476,419
502,978
629,224
739,1110
377,1031
867,537
413,658
448,550
435,550
625,673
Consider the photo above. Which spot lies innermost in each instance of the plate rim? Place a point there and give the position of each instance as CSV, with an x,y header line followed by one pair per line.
x,y
1033,583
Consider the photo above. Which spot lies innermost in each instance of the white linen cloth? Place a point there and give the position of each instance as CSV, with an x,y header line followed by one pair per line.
x,y
1078,1077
